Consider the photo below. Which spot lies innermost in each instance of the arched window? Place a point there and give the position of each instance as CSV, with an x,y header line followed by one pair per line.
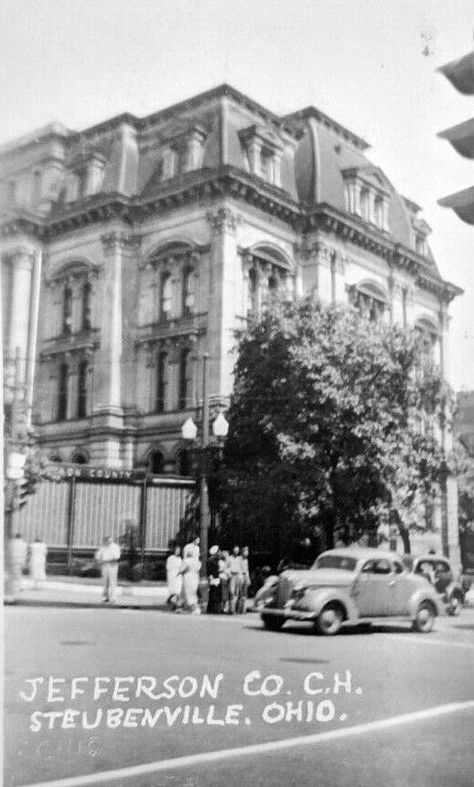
x,y
67,309
79,458
82,373
188,297
185,379
156,462
252,292
183,462
63,381
165,296
86,305
161,381
268,269
429,344
369,300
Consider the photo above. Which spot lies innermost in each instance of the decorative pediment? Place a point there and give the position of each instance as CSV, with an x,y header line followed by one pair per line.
x,y
262,134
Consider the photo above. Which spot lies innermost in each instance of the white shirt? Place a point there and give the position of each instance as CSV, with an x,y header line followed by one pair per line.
x,y
108,553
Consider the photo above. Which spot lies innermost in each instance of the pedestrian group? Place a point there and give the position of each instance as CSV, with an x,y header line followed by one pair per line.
x,y
228,577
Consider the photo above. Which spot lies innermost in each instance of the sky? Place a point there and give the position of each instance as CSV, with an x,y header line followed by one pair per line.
x,y
369,64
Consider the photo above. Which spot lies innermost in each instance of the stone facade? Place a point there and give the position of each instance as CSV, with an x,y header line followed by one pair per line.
x,y
161,235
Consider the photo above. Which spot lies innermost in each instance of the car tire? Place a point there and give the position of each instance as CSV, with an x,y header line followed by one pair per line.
x,y
425,618
329,620
273,622
455,605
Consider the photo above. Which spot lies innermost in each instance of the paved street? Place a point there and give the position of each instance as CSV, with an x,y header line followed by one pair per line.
x,y
385,706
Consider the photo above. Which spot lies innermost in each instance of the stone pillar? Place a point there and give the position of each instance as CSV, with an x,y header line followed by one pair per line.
x,y
253,152
95,174
22,266
224,280
108,375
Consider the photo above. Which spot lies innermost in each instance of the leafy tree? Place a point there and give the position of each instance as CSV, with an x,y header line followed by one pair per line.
x,y
462,465
332,427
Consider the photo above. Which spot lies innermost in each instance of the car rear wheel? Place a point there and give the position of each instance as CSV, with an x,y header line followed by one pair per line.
x,y
273,622
329,620
455,605
425,618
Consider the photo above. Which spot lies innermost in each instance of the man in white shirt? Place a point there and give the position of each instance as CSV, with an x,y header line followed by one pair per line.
x,y
108,557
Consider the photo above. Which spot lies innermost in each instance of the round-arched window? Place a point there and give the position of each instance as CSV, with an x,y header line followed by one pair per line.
x,y
156,462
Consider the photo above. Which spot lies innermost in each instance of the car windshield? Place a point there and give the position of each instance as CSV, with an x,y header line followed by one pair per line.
x,y
336,561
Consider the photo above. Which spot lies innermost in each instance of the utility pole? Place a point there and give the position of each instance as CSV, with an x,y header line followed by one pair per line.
x,y
204,459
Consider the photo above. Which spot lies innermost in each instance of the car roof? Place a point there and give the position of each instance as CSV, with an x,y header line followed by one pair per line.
x,y
430,557
363,553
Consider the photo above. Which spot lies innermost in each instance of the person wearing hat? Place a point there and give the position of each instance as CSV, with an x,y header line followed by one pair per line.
x,y
214,604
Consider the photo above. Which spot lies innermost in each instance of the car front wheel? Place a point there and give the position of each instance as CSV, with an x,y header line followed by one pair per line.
x,y
273,622
329,620
425,618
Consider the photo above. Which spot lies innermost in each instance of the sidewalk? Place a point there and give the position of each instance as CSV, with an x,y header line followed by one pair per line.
x,y
62,592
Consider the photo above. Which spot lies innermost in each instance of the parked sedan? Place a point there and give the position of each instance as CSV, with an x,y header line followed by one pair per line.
x,y
438,571
350,585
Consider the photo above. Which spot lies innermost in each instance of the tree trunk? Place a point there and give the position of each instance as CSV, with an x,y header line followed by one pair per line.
x,y
405,536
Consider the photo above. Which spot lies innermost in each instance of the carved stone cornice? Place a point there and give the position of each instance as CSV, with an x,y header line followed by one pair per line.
x,y
120,241
223,219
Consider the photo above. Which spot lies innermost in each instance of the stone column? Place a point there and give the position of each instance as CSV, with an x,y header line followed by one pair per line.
x,y
108,375
225,277
22,265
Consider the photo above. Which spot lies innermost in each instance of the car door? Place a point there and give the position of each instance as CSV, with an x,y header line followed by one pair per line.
x,y
401,589
372,590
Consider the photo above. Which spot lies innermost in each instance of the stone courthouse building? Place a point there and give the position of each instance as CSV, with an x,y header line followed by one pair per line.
x,y
160,236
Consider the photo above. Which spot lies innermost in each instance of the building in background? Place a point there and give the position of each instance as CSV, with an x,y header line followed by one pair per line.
x,y
161,236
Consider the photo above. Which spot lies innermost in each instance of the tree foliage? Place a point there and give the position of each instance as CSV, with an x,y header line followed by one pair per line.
x,y
332,426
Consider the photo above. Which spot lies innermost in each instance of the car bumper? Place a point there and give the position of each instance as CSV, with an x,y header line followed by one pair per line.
x,y
288,611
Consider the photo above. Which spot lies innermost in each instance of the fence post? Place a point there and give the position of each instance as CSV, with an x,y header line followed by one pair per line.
x,y
71,514
143,515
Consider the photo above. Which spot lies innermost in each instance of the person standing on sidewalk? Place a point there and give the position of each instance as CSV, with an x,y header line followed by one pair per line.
x,y
108,557
37,562
174,578
245,582
235,582
17,551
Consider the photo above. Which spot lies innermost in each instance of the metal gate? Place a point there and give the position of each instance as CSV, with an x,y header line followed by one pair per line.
x,y
77,512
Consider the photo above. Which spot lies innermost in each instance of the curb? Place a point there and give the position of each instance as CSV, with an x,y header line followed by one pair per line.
x,y
122,590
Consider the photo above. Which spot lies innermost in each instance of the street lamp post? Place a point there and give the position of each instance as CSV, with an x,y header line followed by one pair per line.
x,y
189,433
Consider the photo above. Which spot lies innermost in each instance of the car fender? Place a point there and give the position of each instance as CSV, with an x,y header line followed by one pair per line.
x,y
420,595
317,598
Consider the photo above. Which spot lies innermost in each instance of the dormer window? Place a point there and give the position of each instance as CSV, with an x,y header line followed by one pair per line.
x,y
420,244
364,204
379,212
366,196
170,163
263,151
